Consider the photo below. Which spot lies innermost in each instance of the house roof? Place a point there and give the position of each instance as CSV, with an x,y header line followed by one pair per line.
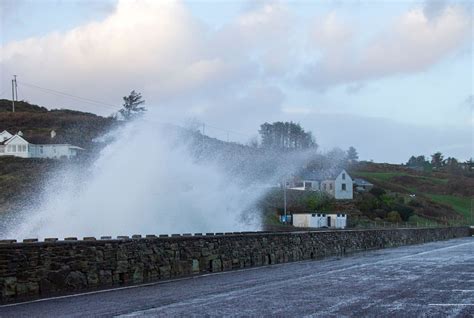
x,y
13,137
361,182
322,175
41,139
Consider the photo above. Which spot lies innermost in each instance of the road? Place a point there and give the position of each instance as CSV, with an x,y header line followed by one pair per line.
x,y
430,280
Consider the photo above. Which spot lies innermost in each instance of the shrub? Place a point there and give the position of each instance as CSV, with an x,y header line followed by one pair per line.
x,y
404,211
394,217
377,191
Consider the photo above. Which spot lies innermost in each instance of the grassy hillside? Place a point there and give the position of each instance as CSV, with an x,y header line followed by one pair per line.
x,y
436,196
73,127
21,179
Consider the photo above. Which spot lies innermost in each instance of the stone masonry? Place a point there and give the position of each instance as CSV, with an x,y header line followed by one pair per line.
x,y
33,269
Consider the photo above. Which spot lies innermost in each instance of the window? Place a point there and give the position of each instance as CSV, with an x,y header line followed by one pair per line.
x,y
330,186
313,215
343,187
307,185
343,176
299,184
13,148
325,186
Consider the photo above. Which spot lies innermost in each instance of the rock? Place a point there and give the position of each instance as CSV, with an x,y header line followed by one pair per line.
x,y
76,280
9,286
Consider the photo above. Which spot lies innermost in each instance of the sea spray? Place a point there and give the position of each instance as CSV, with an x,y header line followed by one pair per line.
x,y
154,178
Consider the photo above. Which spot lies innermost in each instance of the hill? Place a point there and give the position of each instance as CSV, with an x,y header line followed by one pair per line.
x,y
21,178
439,196
75,127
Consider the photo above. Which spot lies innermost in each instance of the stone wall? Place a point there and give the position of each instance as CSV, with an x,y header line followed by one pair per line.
x,y
33,269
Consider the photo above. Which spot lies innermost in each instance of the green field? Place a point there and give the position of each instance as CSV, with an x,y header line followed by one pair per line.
x,y
382,176
421,221
387,176
462,205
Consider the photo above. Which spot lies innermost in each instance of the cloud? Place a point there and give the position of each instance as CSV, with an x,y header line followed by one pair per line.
x,y
412,43
157,47
382,139
237,75
469,102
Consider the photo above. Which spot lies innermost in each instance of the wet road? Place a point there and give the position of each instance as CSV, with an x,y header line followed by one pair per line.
x,y
430,280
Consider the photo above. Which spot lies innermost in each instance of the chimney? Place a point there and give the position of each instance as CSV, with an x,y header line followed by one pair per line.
x,y
53,134
20,133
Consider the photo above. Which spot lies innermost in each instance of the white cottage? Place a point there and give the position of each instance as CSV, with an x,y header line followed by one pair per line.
x,y
18,146
4,135
337,184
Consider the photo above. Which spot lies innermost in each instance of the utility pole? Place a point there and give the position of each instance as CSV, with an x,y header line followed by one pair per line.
x,y
284,198
14,93
16,88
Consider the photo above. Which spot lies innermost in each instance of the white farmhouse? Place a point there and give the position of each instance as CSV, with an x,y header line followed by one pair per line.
x,y
17,145
337,184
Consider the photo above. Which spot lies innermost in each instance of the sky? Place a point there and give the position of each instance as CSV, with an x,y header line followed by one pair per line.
x,y
391,78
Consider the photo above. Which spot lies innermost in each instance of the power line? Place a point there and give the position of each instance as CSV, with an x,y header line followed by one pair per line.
x,y
83,99
104,104
230,131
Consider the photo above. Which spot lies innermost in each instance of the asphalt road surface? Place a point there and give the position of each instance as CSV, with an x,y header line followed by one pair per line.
x,y
430,280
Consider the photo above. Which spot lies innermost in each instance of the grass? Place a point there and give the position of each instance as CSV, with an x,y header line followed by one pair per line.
x,y
387,176
382,176
421,221
462,205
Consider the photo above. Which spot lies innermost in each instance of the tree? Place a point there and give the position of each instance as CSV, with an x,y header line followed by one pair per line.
x,y
419,162
352,154
131,105
286,136
452,165
469,164
437,160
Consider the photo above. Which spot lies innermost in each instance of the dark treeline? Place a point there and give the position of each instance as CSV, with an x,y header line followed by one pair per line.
x,y
438,162
286,136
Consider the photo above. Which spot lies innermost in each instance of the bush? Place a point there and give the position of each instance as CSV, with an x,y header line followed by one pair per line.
x,y
377,191
415,203
394,217
404,211
320,202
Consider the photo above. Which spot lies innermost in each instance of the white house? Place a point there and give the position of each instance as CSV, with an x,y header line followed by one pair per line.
x,y
320,220
4,135
337,184
17,145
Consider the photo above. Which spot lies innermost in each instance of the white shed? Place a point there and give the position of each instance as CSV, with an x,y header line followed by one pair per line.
x,y
338,221
316,220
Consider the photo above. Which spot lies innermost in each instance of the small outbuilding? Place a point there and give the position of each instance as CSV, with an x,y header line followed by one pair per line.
x,y
362,185
320,220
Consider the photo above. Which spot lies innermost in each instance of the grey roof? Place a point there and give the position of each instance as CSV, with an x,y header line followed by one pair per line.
x,y
362,182
321,175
